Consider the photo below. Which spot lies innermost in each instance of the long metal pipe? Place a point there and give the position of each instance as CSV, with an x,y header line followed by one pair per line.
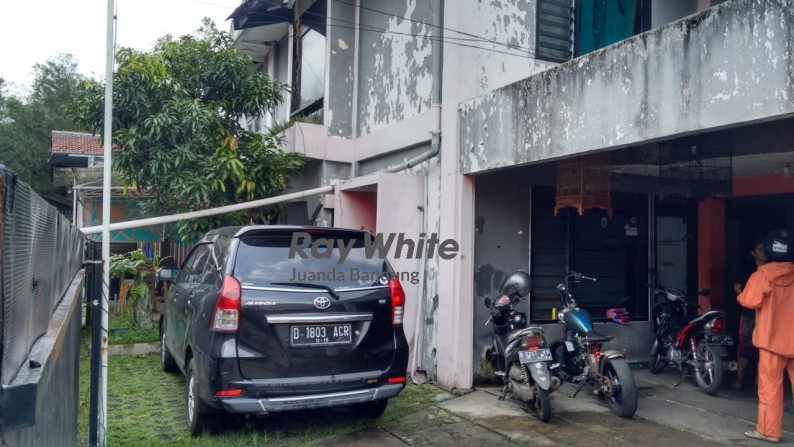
x,y
437,68
247,205
210,211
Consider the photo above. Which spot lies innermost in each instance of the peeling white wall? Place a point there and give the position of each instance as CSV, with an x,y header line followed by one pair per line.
x,y
506,30
395,82
721,67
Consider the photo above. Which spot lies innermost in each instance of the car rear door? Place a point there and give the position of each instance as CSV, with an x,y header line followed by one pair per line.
x,y
314,316
186,291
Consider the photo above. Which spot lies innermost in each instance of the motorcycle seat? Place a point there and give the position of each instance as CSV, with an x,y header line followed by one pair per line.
x,y
596,337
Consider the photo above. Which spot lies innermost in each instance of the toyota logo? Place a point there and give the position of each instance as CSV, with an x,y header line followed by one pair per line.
x,y
322,302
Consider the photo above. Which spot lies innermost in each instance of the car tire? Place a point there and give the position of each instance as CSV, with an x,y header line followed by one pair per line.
x,y
167,362
196,411
372,409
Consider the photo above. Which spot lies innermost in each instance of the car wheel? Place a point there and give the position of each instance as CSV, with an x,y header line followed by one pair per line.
x,y
196,410
372,409
167,362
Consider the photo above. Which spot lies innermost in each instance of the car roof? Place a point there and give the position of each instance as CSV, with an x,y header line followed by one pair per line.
x,y
239,231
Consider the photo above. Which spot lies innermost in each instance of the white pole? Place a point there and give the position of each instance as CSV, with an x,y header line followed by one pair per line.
x,y
107,139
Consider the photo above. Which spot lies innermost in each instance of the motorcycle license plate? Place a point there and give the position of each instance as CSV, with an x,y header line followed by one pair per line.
x,y
320,334
717,339
538,355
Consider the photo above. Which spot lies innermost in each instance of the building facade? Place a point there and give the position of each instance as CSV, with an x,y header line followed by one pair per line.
x,y
635,141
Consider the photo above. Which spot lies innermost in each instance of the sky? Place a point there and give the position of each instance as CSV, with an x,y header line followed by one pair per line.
x,y
34,31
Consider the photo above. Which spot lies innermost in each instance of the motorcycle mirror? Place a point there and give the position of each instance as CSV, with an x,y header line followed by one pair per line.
x,y
705,292
488,302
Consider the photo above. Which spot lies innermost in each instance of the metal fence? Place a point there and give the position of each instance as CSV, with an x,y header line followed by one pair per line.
x,y
41,255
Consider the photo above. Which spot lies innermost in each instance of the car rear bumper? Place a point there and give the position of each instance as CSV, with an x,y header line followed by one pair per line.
x,y
276,404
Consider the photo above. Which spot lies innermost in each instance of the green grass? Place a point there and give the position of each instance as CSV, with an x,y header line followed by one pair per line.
x,y
146,408
123,331
124,336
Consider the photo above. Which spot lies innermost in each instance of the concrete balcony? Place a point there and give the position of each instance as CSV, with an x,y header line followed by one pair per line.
x,y
313,142
723,67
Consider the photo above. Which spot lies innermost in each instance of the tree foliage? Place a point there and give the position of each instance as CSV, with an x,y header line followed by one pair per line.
x,y
177,132
26,123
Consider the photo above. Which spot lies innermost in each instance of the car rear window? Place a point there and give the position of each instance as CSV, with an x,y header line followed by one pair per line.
x,y
263,260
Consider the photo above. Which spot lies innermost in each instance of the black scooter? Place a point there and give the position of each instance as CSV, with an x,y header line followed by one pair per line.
x,y
519,354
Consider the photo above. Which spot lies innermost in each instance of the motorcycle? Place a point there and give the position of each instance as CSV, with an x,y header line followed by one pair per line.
x,y
581,359
698,345
519,354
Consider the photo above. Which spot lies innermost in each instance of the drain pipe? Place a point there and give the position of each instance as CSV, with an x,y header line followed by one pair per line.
x,y
437,68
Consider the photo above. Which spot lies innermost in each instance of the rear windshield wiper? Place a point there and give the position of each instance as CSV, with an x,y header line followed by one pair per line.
x,y
307,285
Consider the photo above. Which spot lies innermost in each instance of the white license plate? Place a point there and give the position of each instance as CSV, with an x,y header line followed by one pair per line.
x,y
538,355
716,339
320,334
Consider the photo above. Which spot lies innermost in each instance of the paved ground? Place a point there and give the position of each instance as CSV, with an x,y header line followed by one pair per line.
x,y
667,416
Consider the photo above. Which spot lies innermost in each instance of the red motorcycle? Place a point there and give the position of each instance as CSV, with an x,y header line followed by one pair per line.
x,y
697,346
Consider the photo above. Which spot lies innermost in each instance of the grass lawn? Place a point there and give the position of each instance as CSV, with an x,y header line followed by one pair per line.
x,y
146,408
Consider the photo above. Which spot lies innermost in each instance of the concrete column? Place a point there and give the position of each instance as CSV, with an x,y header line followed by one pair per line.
x,y
711,252
453,340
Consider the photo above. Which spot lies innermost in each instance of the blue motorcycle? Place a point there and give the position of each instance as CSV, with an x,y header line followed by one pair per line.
x,y
580,359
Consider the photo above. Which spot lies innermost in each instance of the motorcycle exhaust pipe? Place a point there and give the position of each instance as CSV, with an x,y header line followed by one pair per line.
x,y
731,365
555,382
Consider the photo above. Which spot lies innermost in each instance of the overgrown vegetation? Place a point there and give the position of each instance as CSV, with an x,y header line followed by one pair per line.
x,y
177,114
142,271
27,122
146,408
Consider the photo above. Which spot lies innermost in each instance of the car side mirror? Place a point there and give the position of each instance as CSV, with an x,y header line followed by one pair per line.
x,y
166,275
488,302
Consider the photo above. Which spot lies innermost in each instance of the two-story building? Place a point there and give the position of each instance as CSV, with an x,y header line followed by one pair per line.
x,y
626,139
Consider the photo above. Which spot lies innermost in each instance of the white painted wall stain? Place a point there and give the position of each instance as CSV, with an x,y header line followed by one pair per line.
x,y
725,66
400,84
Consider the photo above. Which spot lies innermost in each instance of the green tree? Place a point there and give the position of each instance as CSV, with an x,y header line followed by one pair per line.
x,y
26,124
177,114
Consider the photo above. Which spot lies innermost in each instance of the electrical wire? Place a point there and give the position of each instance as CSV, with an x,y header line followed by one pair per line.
x,y
462,39
484,39
528,52
524,54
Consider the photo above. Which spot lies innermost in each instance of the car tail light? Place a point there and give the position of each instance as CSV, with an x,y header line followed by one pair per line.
x,y
230,393
396,380
397,302
227,309
718,327
533,341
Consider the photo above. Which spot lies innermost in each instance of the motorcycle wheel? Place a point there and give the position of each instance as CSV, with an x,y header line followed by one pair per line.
x,y
559,354
709,378
623,401
542,403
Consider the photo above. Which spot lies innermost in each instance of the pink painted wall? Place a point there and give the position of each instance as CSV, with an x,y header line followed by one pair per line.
x,y
400,197
356,209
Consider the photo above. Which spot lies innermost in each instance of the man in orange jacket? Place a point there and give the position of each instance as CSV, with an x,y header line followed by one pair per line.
x,y
770,291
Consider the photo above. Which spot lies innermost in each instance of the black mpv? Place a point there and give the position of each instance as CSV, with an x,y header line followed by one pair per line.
x,y
258,329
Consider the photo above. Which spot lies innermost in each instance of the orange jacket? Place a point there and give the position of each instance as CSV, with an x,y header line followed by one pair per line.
x,y
770,291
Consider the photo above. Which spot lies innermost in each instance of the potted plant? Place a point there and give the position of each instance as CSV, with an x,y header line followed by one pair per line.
x,y
142,271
